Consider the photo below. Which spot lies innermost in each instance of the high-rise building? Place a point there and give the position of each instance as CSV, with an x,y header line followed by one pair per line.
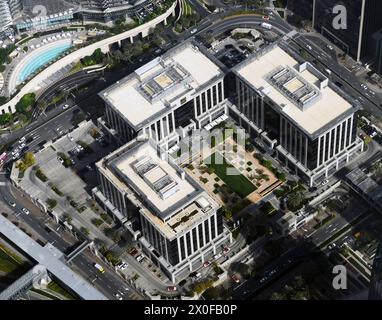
x,y
363,20
293,109
9,9
106,10
176,223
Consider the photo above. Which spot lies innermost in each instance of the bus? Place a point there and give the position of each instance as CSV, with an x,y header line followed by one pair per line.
x,y
99,268
266,26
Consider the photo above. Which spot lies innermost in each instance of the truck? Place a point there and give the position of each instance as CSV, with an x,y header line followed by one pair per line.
x,y
266,25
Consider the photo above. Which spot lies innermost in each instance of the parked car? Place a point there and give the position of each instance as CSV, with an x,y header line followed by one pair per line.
x,y
12,204
65,106
133,252
139,258
25,210
206,264
332,246
60,159
123,265
118,296
217,256
226,250
235,278
172,289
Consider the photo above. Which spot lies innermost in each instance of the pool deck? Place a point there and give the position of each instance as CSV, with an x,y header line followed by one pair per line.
x,y
23,63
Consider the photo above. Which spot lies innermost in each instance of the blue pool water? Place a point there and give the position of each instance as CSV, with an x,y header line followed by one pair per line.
x,y
41,60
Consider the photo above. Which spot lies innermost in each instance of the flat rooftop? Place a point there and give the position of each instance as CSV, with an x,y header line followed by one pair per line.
x,y
157,85
167,196
301,91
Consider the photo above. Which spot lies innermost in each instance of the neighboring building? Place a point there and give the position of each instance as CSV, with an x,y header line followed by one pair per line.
x,y
375,291
377,38
303,9
366,187
9,9
363,20
52,259
293,109
167,98
108,10
291,221
175,221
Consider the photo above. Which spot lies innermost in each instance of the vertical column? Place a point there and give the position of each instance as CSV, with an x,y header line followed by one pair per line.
x,y
346,133
197,236
351,130
319,152
191,241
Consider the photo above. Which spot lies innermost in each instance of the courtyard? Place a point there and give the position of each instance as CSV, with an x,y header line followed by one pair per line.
x,y
232,174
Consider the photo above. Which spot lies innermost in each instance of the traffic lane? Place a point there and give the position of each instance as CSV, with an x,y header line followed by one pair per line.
x,y
108,283
46,132
340,70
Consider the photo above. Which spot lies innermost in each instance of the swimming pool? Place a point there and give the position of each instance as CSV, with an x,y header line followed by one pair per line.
x,y
42,59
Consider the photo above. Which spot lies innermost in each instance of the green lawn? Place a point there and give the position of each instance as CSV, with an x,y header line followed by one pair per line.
x,y
238,183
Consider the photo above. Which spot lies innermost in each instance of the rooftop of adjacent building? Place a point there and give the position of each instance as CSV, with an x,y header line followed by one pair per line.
x,y
167,196
160,83
366,183
51,258
300,91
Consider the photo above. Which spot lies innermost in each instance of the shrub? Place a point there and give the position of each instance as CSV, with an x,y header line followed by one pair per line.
x,y
52,203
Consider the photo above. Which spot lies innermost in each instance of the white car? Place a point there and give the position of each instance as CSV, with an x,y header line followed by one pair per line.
x,y
123,265
140,258
217,256
22,139
60,159
332,246
70,137
325,182
25,210
118,296
193,31
65,106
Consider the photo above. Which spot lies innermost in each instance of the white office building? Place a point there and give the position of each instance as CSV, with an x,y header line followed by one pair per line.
x,y
291,108
167,98
175,221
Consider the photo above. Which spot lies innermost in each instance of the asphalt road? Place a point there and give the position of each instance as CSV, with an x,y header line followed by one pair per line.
x,y
108,283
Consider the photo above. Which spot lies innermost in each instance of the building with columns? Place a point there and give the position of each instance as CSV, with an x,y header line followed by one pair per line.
x,y
176,223
294,110
167,98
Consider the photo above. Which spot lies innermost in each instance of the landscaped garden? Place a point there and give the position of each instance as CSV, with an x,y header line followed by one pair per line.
x,y
237,182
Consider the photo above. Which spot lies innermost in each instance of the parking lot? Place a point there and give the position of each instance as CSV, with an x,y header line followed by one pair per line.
x,y
70,175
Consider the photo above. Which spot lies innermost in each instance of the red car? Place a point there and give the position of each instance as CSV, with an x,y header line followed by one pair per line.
x,y
235,278
226,250
206,264
172,289
266,18
133,252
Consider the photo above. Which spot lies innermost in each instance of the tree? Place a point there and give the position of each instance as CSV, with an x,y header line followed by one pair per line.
x,y
51,203
29,159
5,118
242,268
295,201
211,293
98,56
26,103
